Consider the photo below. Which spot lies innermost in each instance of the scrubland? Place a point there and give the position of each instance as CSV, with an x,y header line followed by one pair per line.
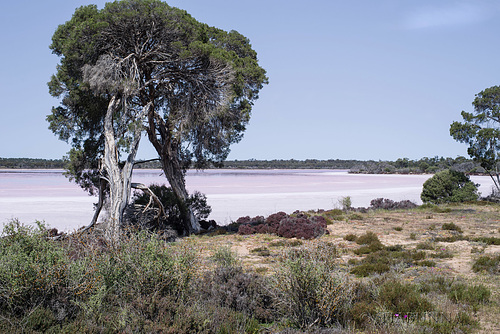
x,y
432,269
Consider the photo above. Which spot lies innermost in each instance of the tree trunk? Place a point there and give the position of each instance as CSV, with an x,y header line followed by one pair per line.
x,y
118,177
168,153
175,177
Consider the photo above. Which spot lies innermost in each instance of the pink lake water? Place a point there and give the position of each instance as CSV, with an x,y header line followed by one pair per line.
x,y
46,195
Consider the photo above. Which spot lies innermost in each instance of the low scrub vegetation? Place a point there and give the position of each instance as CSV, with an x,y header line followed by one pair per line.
x,y
144,284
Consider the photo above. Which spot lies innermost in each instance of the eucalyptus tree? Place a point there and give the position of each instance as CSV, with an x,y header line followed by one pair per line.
x,y
141,65
480,129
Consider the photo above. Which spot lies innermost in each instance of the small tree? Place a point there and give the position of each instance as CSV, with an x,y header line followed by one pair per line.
x,y
449,186
480,130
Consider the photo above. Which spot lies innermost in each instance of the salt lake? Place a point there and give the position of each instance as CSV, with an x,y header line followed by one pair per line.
x,y
47,195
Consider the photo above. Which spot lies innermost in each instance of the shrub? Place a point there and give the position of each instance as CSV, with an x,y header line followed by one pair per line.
x,y
172,205
285,243
345,203
471,294
225,257
370,243
231,287
403,298
427,245
442,253
261,251
449,186
387,204
355,216
367,238
33,270
487,263
310,292
451,227
301,228
350,237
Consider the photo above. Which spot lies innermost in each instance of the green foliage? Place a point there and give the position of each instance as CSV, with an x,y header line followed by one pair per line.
x,y
345,203
350,237
471,294
403,298
480,131
143,284
225,257
452,227
33,270
449,186
487,263
312,293
87,77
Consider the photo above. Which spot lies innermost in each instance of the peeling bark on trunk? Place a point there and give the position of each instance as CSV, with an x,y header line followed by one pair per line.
x,y
119,177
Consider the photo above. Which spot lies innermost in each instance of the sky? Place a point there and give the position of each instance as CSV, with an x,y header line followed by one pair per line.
x,y
361,79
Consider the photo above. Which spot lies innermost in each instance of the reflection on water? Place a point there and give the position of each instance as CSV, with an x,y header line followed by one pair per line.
x,y
47,195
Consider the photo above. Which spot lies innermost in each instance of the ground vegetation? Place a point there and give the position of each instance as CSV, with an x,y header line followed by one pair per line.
x,y
364,276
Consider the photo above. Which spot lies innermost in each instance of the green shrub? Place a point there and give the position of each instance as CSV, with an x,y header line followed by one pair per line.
x,y
451,227
310,292
367,238
488,240
261,251
487,263
33,269
427,263
224,256
442,253
449,186
350,237
471,294
427,245
231,287
403,298
369,243
355,216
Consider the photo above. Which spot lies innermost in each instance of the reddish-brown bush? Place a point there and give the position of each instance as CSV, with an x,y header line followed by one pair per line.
x,y
301,228
280,223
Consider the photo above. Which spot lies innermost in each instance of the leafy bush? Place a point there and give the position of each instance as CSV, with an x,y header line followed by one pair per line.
x,y
367,238
231,287
403,298
487,263
387,204
33,269
350,237
311,293
471,294
452,227
427,245
449,186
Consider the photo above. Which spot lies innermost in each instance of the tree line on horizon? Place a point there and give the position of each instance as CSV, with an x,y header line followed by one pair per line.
x,y
399,166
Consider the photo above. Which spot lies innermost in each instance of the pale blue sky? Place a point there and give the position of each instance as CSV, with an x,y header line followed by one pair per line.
x,y
357,79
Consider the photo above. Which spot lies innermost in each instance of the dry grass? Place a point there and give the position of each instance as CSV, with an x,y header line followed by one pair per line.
x,y
408,228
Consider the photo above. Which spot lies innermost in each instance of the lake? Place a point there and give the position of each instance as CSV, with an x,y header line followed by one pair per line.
x,y
47,195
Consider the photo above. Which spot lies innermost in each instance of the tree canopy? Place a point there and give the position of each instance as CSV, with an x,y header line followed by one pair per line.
x,y
449,186
141,65
480,129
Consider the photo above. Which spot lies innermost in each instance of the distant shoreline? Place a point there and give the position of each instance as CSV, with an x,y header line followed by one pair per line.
x,y
424,166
